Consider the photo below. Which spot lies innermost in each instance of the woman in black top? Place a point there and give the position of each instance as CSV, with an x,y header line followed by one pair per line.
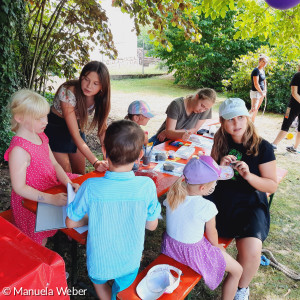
x,y
259,86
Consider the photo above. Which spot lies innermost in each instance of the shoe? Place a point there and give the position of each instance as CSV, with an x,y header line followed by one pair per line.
x,y
274,146
291,149
242,294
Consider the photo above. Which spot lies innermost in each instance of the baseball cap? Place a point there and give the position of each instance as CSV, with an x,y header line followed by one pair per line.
x,y
204,169
140,107
159,280
233,107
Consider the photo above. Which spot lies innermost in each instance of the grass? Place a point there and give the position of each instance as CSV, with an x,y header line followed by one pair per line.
x,y
130,69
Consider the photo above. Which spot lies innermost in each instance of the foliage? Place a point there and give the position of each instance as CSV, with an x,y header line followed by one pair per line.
x,y
144,39
11,16
204,64
279,73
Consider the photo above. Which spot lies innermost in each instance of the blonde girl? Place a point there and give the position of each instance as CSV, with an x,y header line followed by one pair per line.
x,y
32,165
185,115
241,201
189,215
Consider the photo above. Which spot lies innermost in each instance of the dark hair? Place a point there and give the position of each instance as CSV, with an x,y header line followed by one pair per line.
x,y
102,99
130,116
123,142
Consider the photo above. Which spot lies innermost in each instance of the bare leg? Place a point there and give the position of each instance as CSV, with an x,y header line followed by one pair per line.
x,y
279,137
44,242
230,284
103,291
77,162
255,105
297,141
63,160
249,253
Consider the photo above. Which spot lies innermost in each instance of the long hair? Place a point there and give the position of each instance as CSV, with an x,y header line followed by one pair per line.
x,y
177,193
29,104
102,99
250,140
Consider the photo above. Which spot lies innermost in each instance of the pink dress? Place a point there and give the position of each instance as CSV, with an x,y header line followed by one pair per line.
x,y
41,175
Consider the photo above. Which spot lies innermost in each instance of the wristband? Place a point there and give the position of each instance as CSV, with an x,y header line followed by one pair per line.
x,y
95,162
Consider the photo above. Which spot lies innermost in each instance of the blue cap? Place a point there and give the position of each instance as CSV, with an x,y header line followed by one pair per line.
x,y
233,107
140,107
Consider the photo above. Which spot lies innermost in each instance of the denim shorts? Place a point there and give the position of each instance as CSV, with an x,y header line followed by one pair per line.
x,y
120,283
60,139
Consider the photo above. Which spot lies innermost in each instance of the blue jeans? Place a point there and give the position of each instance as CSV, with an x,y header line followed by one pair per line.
x,y
155,140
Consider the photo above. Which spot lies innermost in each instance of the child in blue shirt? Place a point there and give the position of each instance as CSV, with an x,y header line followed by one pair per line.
x,y
118,207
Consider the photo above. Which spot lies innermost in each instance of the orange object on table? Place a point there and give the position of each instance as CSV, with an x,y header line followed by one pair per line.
x,y
27,267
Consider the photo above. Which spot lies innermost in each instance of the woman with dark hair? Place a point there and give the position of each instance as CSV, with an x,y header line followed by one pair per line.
x,y
74,101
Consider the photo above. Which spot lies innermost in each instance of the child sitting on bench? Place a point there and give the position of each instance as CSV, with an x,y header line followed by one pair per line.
x,y
188,216
118,207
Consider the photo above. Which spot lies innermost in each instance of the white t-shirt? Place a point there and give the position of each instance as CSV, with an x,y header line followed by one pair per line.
x,y
186,223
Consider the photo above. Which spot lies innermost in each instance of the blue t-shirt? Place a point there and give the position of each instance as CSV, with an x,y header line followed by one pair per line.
x,y
118,206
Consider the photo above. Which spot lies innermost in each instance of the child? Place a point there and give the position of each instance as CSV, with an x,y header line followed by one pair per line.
x,y
188,216
241,201
140,113
32,165
118,207
73,103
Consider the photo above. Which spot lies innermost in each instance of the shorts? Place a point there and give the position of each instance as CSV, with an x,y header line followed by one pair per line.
x,y
60,139
255,95
292,112
120,283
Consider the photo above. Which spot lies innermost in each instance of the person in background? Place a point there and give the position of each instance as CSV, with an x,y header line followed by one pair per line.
x,y
73,103
32,166
242,201
189,215
259,86
292,112
185,115
140,113
118,207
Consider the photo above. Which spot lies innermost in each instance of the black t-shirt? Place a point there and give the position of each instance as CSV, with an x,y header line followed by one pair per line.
x,y
295,82
261,77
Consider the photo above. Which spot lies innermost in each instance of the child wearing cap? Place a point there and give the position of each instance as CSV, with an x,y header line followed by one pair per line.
x,y
241,201
119,206
140,113
189,215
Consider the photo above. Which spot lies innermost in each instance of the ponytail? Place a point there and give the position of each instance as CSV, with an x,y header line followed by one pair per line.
x,y
177,193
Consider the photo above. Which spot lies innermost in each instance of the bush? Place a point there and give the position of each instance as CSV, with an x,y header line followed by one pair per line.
x,y
279,73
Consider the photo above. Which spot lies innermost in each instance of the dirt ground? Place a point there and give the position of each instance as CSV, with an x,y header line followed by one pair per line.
x,y
268,127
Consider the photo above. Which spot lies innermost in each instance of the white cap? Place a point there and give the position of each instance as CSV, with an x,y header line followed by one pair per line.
x,y
159,280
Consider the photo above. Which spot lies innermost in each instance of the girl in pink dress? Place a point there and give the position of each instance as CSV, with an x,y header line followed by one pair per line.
x,y
32,165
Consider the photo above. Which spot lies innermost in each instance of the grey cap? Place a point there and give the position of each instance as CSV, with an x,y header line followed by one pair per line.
x,y
233,107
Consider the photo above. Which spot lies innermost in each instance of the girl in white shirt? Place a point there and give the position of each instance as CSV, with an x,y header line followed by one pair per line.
x,y
189,215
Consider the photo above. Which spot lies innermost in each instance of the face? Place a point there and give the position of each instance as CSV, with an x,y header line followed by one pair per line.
x,y
263,62
34,125
202,105
209,189
236,127
90,84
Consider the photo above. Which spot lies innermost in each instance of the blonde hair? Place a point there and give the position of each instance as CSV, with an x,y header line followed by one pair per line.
x,y
205,94
250,140
262,56
178,192
27,103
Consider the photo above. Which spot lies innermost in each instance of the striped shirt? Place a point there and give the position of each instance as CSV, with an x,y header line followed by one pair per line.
x,y
118,206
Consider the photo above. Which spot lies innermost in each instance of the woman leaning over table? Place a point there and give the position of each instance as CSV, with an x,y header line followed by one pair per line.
x,y
259,86
185,115
73,103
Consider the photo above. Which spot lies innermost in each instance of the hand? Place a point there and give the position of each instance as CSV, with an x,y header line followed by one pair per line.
x,y
101,165
186,135
243,169
264,93
227,160
59,199
162,136
75,186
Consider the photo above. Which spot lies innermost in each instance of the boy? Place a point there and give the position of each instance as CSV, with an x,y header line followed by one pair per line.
x,y
118,206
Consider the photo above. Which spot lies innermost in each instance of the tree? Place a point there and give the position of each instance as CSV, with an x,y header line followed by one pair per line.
x,y
204,63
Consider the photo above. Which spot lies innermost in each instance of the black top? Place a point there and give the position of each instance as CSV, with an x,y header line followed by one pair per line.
x,y
295,82
243,210
261,77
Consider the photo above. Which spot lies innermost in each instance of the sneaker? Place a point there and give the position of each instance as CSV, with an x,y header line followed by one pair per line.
x,y
291,149
242,294
274,146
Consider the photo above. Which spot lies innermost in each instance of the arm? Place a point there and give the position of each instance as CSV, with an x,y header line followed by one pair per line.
x,y
172,133
255,81
71,224
211,232
70,118
294,91
19,160
151,225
